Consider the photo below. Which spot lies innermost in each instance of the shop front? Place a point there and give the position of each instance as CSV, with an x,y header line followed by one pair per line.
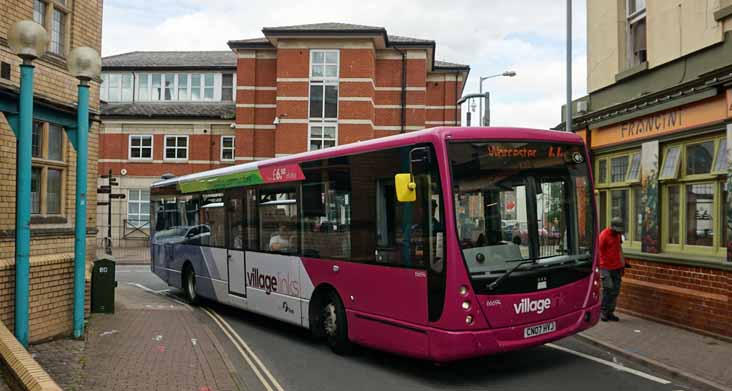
x,y
665,173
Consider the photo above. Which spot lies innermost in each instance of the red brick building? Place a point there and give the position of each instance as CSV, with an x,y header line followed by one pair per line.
x,y
318,85
297,88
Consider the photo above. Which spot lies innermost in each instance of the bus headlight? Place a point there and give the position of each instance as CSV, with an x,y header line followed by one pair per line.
x,y
469,319
463,290
466,305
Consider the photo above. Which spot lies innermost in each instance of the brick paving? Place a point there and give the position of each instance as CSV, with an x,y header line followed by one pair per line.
x,y
151,343
7,381
682,351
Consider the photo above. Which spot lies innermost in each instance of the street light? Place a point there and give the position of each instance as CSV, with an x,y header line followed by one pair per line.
x,y
85,64
487,102
29,41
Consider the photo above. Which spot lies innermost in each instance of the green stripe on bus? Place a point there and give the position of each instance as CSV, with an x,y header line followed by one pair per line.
x,y
246,178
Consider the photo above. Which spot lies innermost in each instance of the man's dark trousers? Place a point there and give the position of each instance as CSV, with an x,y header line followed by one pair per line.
x,y
611,280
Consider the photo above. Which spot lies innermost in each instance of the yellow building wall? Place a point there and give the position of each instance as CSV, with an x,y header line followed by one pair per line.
x,y
675,28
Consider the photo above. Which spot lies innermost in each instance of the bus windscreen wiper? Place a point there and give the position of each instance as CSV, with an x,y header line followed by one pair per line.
x,y
493,285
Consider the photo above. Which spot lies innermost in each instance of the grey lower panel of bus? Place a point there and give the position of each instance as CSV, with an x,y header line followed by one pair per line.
x,y
212,279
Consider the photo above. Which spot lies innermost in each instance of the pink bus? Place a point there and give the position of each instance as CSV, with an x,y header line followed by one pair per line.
x,y
441,244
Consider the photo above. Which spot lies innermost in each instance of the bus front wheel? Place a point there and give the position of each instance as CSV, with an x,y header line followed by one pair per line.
x,y
335,324
189,285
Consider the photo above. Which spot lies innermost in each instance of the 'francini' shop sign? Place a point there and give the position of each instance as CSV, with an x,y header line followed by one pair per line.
x,y
649,126
656,123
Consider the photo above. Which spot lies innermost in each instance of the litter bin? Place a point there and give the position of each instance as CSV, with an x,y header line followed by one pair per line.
x,y
103,284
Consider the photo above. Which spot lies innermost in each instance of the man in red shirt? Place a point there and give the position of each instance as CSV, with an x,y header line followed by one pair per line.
x,y
612,265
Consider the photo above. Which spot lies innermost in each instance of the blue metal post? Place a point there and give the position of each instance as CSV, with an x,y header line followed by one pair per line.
x,y
82,141
23,203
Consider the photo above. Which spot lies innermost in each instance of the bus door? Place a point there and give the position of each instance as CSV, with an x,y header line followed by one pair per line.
x,y
237,233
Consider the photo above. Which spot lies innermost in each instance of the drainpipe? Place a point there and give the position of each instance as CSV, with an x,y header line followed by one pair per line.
x,y
458,113
404,89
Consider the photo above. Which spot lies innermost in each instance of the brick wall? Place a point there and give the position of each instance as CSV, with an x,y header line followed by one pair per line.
x,y
692,297
52,245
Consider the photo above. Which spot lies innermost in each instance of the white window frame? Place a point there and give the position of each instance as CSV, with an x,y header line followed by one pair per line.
x,y
632,19
322,139
141,136
324,81
325,52
106,83
232,148
176,147
140,212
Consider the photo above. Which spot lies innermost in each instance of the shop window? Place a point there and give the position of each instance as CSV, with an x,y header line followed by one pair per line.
x,y
670,168
618,168
700,214
694,218
636,231
699,157
617,196
602,209
602,171
674,214
720,162
634,170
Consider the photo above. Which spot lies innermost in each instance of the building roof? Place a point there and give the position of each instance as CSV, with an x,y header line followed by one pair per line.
x,y
171,60
216,110
450,65
329,29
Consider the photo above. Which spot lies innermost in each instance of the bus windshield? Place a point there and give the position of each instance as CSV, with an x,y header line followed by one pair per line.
x,y
521,201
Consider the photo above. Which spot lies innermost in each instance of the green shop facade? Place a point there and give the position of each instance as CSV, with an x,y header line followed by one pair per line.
x,y
661,161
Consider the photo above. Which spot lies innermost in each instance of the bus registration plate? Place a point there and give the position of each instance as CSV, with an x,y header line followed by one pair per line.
x,y
533,331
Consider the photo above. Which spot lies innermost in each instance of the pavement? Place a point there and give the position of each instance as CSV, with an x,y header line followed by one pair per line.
x,y
700,360
151,343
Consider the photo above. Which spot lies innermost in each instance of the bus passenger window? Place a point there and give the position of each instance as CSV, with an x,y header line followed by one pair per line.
x,y
326,198
278,220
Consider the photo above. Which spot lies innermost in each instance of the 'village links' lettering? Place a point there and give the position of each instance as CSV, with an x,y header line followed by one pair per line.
x,y
656,123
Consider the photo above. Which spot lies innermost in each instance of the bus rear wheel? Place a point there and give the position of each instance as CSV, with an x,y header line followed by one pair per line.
x,y
335,324
189,285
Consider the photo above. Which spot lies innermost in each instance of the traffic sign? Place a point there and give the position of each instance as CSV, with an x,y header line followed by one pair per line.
x,y
104,189
116,196
102,203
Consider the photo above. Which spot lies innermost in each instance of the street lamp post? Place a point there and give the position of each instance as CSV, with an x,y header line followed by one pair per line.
x,y
85,64
483,121
29,41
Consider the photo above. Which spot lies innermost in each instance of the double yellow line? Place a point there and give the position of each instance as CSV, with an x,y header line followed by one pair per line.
x,y
263,374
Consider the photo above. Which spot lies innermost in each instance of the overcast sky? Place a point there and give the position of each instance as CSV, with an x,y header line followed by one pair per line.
x,y
527,36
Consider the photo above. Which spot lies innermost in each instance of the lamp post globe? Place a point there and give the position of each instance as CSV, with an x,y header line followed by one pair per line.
x,y
85,63
28,39
509,74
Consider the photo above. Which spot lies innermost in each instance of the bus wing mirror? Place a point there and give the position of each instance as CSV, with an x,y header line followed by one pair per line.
x,y
405,188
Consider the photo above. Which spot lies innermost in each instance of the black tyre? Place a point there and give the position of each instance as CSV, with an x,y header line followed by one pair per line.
x,y
335,324
189,285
